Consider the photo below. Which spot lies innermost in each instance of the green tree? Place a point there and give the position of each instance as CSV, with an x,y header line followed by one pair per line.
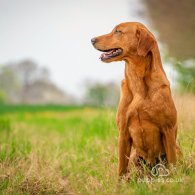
x,y
2,96
102,94
185,76
9,85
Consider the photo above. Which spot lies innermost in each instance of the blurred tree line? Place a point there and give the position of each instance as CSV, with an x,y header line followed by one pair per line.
x,y
26,82
101,94
174,21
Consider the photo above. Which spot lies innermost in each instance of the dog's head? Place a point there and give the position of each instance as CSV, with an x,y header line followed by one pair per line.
x,y
126,40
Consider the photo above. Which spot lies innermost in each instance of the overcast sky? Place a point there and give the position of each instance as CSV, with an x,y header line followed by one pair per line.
x,y
57,33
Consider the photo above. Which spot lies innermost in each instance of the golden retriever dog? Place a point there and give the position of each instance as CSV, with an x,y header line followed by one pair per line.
x,y
146,116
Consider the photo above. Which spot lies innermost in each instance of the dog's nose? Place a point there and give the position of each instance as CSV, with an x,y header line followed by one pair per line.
x,y
93,40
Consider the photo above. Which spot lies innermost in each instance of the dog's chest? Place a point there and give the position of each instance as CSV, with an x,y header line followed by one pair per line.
x,y
146,136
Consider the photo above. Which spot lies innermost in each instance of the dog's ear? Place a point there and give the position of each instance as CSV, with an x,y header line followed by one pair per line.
x,y
145,42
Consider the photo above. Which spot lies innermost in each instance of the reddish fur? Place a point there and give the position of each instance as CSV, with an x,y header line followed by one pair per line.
x,y
146,116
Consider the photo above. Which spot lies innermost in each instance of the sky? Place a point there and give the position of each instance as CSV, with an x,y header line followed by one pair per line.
x,y
57,33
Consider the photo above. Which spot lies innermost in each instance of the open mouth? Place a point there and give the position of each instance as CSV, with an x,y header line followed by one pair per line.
x,y
111,53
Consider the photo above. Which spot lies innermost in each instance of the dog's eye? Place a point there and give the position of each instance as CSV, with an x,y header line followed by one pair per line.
x,y
118,31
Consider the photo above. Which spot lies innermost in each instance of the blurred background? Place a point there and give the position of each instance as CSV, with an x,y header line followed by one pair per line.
x,y
58,133
47,58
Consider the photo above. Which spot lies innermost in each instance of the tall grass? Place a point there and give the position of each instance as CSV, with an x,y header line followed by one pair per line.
x,y
74,151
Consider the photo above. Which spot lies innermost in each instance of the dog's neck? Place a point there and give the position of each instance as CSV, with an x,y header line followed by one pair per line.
x,y
142,71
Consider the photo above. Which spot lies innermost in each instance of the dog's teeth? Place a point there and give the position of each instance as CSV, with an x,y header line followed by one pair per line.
x,y
110,53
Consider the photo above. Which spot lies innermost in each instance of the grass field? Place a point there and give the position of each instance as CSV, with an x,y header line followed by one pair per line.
x,y
73,150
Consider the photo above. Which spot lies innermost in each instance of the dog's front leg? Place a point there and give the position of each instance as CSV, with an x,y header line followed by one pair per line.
x,y
125,144
169,144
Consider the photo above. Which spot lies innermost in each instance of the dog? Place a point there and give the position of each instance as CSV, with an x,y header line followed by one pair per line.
x,y
146,115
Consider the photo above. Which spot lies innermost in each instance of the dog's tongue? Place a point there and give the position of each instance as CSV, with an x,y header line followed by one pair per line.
x,y
106,54
110,54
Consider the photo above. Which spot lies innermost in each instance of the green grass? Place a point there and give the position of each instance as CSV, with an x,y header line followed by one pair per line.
x,y
73,150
